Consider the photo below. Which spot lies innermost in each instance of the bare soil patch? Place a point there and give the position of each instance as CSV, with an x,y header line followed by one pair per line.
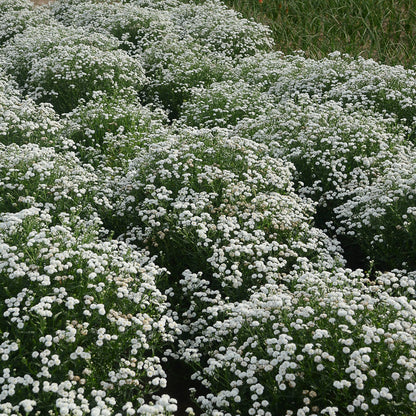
x,y
39,2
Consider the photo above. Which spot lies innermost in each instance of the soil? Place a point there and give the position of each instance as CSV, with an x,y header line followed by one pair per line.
x,y
39,2
179,385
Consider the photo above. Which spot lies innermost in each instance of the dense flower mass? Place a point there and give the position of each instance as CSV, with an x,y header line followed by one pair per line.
x,y
80,325
288,352
335,149
231,207
135,26
17,15
382,214
174,193
109,130
21,119
62,65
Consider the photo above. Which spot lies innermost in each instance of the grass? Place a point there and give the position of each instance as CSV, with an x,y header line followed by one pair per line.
x,y
384,30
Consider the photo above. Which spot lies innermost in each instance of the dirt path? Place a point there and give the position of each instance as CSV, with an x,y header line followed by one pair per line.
x,y
39,2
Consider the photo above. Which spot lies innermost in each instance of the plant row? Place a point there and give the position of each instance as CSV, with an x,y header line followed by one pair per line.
x,y
173,190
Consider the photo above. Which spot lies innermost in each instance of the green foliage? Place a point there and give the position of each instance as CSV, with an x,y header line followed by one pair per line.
x,y
381,29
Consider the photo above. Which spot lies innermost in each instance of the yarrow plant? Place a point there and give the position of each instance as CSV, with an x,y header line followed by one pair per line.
x,y
16,16
34,176
331,346
175,65
381,215
224,104
360,83
221,207
108,131
137,27
176,195
63,65
22,120
334,149
221,30
22,51
82,319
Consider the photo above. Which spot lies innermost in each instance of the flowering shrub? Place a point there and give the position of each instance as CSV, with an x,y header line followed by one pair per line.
x,y
16,16
223,104
82,69
358,83
167,5
110,130
334,149
81,322
136,27
331,346
155,150
217,206
382,215
21,52
221,30
22,120
10,5
174,65
33,176
398,282
68,65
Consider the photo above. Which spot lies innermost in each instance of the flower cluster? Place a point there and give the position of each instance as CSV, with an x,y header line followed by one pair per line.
x,y
82,318
17,15
224,104
222,207
359,83
335,149
174,194
137,27
108,131
221,30
331,345
22,120
382,215
62,65
175,64
34,176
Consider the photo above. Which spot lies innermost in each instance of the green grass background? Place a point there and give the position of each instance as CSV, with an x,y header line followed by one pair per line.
x,y
381,29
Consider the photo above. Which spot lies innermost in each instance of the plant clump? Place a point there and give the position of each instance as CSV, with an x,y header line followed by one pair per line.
x,y
332,345
62,65
82,318
109,131
221,207
183,211
22,120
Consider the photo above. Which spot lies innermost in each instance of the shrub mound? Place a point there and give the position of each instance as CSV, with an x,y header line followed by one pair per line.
x,y
175,194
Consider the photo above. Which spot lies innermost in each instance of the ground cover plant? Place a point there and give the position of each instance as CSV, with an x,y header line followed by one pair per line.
x,y
182,213
22,120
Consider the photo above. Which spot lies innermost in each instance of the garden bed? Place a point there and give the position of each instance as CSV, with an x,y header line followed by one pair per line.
x,y
182,213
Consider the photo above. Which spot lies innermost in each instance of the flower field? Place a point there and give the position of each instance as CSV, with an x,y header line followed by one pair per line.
x,y
192,223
